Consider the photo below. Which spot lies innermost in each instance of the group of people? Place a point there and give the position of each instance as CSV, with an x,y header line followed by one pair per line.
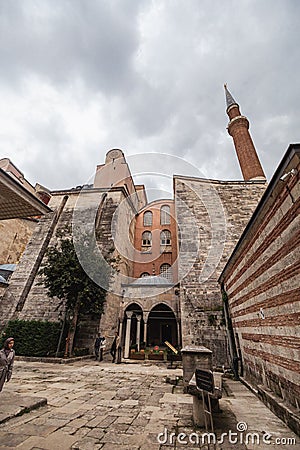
x,y
115,350
7,356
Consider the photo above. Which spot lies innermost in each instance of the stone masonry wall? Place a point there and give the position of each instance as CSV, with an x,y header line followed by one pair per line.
x,y
14,236
116,232
26,299
22,281
211,216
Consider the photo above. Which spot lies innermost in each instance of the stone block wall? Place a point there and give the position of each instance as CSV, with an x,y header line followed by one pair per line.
x,y
14,236
211,216
25,299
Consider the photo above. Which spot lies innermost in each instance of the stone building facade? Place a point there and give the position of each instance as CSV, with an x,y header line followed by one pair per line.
x,y
21,205
111,211
211,216
261,283
14,236
15,232
164,283
150,311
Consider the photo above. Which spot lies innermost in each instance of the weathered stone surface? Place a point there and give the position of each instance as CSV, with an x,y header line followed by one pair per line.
x,y
173,410
211,216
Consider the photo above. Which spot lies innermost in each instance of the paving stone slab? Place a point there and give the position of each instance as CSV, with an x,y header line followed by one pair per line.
x,y
56,441
12,405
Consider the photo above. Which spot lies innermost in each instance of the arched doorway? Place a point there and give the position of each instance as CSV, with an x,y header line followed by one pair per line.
x,y
162,326
133,327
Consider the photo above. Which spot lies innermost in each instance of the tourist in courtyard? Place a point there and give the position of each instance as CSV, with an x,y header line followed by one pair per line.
x,y
102,347
97,345
7,355
115,345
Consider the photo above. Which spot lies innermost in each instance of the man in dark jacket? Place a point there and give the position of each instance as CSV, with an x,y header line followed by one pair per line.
x,y
97,345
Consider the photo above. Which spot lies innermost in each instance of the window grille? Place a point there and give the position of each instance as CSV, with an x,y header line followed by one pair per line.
x,y
166,271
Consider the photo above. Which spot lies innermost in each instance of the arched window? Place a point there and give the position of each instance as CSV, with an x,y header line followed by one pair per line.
x,y
146,239
144,274
165,218
166,271
165,238
147,219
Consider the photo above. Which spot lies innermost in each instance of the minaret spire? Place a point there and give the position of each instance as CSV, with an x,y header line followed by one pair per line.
x,y
238,128
229,99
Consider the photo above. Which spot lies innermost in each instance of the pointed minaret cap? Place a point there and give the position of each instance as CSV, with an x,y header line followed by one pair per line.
x,y
229,99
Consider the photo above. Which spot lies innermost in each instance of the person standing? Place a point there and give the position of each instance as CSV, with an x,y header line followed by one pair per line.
x,y
119,349
102,347
114,346
7,356
97,345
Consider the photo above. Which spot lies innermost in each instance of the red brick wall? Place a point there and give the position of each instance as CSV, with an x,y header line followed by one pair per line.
x,y
152,260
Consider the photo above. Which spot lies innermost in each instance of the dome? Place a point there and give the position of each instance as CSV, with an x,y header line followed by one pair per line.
x,y
9,267
153,280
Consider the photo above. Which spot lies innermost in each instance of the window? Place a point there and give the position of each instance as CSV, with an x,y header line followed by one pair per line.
x,y
165,238
144,274
146,239
147,219
165,218
166,271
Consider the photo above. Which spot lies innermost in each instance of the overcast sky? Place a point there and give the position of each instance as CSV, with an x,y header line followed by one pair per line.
x,y
79,77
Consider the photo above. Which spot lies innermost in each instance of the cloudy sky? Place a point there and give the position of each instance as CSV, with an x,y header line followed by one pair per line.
x,y
79,77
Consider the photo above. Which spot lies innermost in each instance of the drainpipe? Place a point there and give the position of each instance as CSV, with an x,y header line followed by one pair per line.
x,y
230,334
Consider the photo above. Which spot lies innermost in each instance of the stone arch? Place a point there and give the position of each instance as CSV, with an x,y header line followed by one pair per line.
x,y
162,325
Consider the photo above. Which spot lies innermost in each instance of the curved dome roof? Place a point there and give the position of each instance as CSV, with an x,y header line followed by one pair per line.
x,y
153,280
10,267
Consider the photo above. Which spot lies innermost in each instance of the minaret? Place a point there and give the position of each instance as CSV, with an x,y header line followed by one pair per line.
x,y
238,128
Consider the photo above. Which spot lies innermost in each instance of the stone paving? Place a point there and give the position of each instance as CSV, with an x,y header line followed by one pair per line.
x,y
92,405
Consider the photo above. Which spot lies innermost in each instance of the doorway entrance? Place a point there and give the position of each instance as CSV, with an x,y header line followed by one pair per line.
x,y
162,326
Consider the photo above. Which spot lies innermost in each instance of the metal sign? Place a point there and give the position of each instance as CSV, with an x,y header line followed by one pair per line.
x,y
204,380
171,347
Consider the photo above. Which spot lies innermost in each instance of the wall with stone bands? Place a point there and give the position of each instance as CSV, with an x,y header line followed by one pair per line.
x,y
263,287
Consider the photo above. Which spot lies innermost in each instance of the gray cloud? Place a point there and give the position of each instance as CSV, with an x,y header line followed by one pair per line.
x,y
80,77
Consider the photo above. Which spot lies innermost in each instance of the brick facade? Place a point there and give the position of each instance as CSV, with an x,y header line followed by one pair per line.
x,y
149,259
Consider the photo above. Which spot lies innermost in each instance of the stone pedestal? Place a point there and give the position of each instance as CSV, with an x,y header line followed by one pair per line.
x,y
194,357
198,412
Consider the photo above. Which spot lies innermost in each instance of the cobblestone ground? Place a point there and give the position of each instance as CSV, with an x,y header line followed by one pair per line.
x,y
95,406
106,406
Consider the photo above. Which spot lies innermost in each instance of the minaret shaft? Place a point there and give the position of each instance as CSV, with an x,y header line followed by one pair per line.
x,y
238,128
